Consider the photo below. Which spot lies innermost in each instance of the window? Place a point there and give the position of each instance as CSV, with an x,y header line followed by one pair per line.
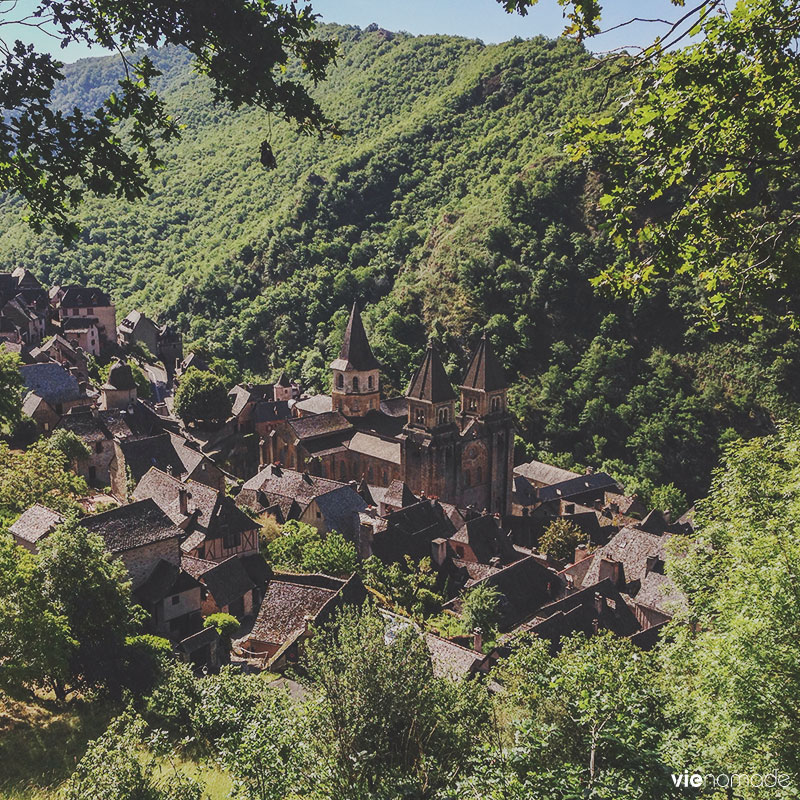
x,y
385,478
319,515
442,416
355,384
371,382
89,311
176,599
370,474
340,380
495,404
419,415
473,404
231,540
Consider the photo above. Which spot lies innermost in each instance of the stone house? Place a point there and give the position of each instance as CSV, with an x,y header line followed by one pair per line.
x,y
174,600
33,525
81,301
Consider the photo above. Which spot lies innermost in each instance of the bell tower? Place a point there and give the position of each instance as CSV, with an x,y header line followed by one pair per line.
x,y
356,373
430,437
487,433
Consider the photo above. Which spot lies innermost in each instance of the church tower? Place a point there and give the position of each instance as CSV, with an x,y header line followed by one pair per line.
x,y
356,373
430,437
487,432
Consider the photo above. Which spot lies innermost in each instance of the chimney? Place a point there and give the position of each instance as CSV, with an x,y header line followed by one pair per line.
x,y
610,569
477,640
169,469
581,552
590,470
494,561
183,501
650,564
438,551
599,603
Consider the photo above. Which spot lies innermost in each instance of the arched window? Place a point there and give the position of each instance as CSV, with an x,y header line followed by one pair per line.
x,y
420,415
371,382
442,416
340,380
495,404
355,384
472,404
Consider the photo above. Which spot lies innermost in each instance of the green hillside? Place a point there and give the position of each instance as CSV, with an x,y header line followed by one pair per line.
x,y
445,207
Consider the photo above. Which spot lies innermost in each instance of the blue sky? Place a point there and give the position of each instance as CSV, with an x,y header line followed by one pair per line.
x,y
481,19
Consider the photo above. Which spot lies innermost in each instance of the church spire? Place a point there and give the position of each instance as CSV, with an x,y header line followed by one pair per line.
x,y
356,354
430,382
484,372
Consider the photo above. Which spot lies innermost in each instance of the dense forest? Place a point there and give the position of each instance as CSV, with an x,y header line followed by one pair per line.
x,y
446,207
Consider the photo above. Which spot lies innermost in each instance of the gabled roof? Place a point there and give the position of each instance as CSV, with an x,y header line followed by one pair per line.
x,y
356,354
165,579
227,581
316,404
151,451
319,425
545,474
131,526
283,380
484,371
51,382
399,495
632,547
590,482
82,296
486,539
430,381
35,523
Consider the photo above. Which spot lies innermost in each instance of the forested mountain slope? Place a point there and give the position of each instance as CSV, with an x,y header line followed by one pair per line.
x,y
445,206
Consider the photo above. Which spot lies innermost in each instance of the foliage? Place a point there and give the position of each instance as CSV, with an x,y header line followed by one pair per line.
x,y
409,586
201,396
86,586
737,678
51,157
384,725
68,444
669,499
10,390
38,475
480,609
590,722
225,624
560,539
303,548
447,205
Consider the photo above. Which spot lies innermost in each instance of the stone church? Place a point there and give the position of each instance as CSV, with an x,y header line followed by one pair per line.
x,y
463,457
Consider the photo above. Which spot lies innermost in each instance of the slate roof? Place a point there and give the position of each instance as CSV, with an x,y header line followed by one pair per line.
x,y
430,381
376,447
545,474
399,495
120,376
51,382
240,396
87,426
257,568
395,407
79,324
284,609
591,482
196,361
289,483
166,579
319,425
283,381
82,296
316,404
31,404
131,526
340,508
450,660
151,451
356,354
632,547
271,410
658,591
486,539
411,530
35,523
484,371
227,581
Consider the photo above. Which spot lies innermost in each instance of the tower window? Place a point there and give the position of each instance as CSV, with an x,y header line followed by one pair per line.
x,y
355,384
371,382
420,415
340,380
495,404
473,404
442,415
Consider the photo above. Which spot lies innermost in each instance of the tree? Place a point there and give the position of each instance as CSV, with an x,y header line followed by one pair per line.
x,y
383,725
202,396
11,385
670,499
52,158
67,444
590,722
37,475
480,609
302,547
35,639
91,590
736,670
561,538
408,586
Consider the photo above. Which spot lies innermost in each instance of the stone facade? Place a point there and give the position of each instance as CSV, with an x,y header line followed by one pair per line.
x,y
140,561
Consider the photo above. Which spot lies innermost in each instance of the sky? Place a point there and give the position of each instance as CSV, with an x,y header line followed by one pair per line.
x,y
479,19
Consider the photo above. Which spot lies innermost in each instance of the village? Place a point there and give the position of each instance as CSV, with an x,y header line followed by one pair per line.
x,y
424,481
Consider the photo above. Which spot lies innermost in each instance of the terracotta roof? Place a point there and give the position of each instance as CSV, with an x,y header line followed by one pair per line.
x,y
430,381
131,526
356,354
484,371
36,523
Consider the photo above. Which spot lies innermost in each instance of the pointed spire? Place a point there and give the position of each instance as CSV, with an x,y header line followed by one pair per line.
x,y
430,381
484,371
356,354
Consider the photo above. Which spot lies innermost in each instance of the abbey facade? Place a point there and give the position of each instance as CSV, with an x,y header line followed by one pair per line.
x,y
463,457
